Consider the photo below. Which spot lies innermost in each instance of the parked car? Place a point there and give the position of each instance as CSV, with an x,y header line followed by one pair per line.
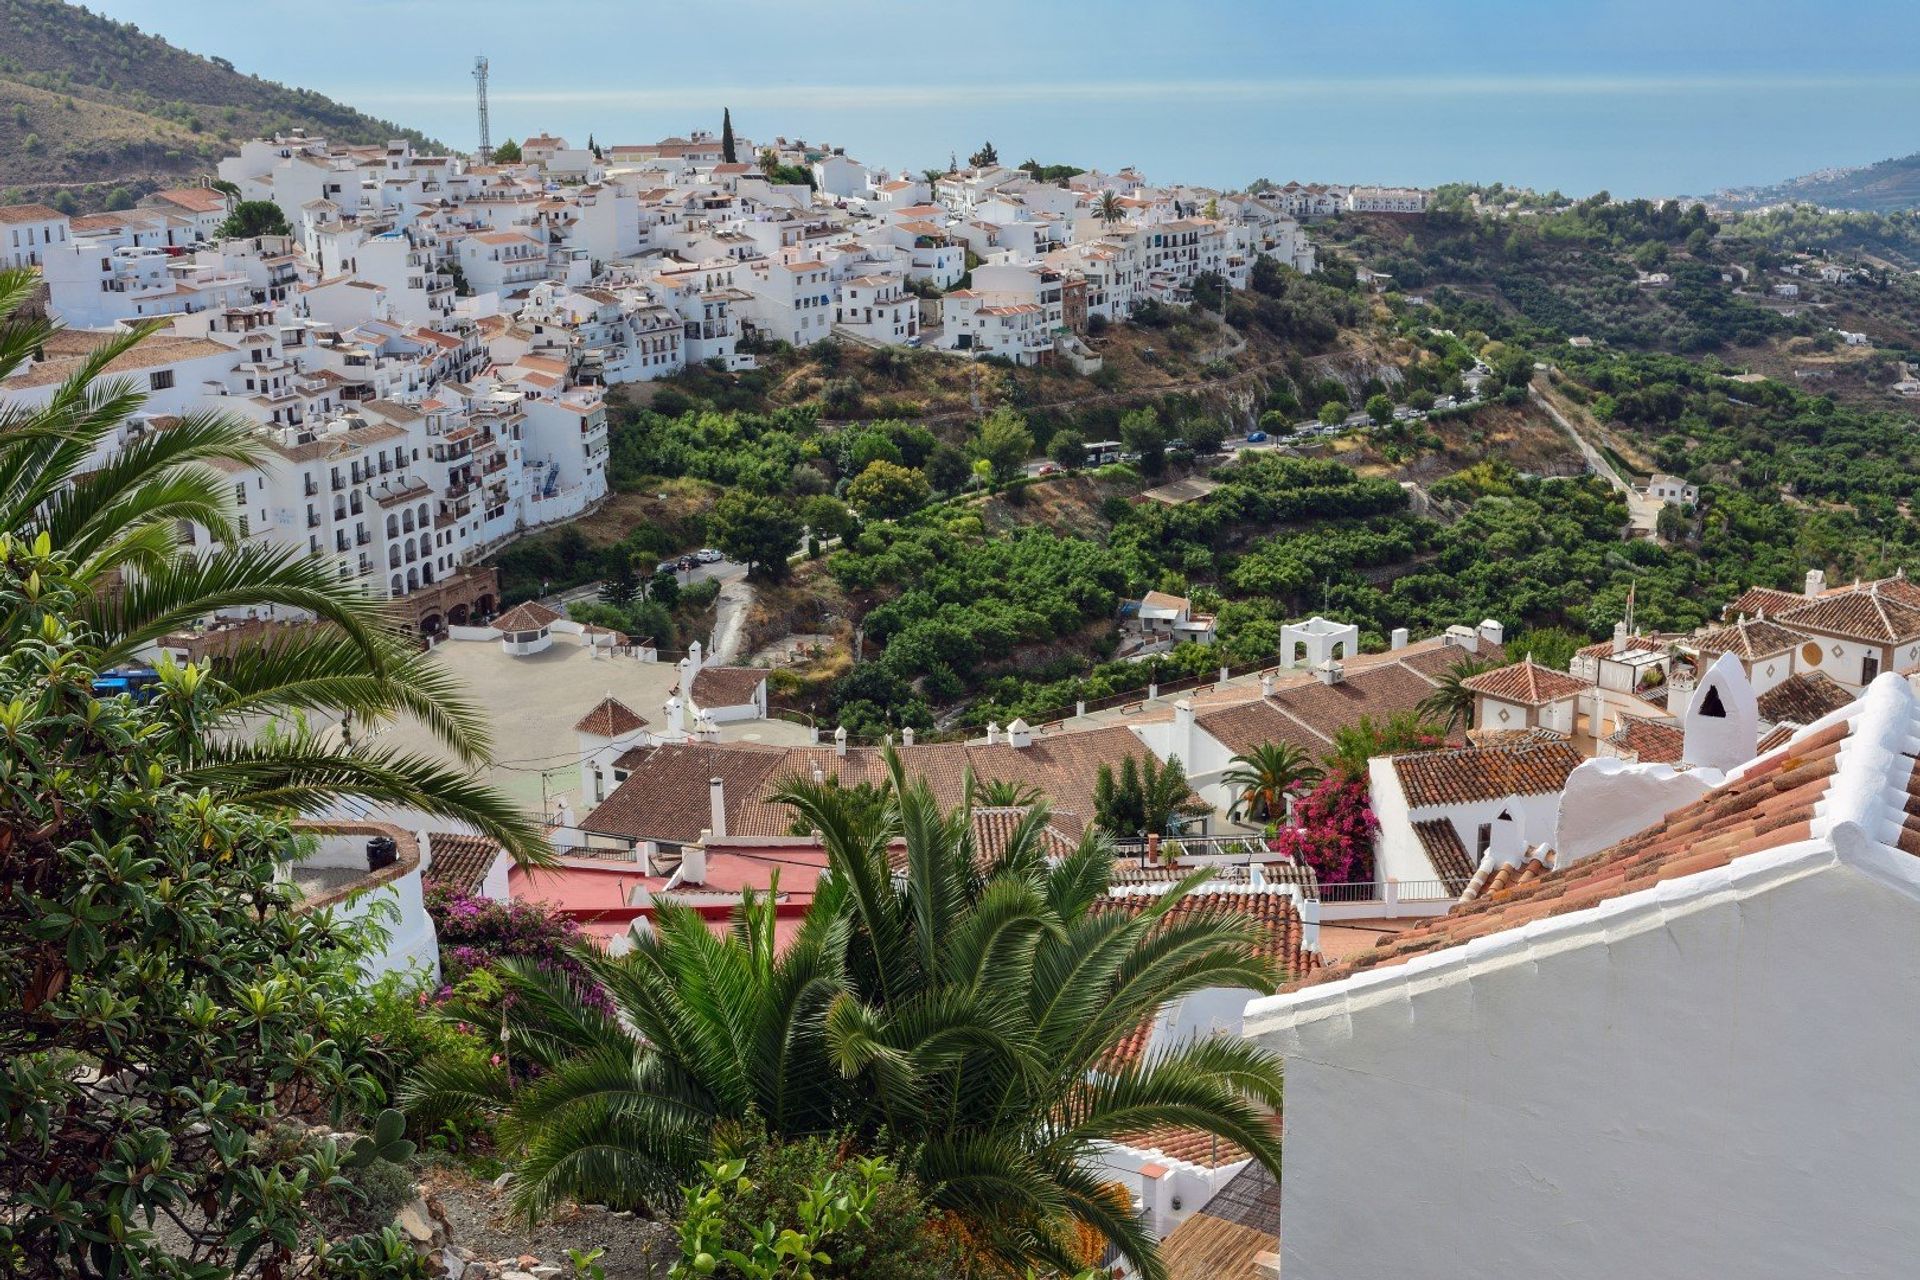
x,y
667,566
1256,437
707,555
686,564
1047,469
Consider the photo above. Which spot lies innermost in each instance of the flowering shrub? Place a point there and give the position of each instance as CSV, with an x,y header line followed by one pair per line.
x,y
476,932
1332,832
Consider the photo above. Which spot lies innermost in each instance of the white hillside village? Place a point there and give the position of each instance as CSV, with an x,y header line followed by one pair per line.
x,y
1581,1009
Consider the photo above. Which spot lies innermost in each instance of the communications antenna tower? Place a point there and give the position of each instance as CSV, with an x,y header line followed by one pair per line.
x,y
480,90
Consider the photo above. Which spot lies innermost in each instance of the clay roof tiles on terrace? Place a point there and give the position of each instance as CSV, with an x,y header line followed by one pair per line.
x,y
1873,614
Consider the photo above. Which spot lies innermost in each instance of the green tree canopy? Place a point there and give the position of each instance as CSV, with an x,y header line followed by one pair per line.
x,y
887,490
1003,442
758,531
254,218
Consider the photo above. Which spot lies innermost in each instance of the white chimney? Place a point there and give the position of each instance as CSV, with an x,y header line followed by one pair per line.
x,y
819,774
685,666
906,736
1222,682
1507,841
717,803
1620,636
1722,723
1019,735
1183,731
840,741
1399,638
1330,673
693,862
1492,632
693,654
676,718
1816,582
1266,684
993,733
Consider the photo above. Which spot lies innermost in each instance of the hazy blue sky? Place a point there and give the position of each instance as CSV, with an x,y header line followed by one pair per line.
x,y
1647,96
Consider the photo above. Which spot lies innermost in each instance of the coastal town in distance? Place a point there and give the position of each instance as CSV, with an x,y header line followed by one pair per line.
x,y
745,705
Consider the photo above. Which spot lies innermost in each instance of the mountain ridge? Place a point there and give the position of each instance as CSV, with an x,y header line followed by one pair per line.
x,y
94,111
1884,186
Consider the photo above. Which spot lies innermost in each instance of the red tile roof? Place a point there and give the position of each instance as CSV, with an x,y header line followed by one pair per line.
x,y
1527,683
727,686
1769,805
1750,639
1803,698
610,719
1873,613
1755,601
460,861
530,616
1535,765
1441,841
1648,741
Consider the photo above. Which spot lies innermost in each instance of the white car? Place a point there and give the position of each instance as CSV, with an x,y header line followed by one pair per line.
x,y
707,555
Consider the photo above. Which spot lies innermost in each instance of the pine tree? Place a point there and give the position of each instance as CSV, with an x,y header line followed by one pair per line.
x,y
621,586
726,135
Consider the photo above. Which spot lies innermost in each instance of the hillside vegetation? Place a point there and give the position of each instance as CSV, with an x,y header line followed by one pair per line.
x,y
89,105
1882,187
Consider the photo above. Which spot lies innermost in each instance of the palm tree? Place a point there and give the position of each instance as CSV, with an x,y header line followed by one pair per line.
x,y
118,524
1109,209
1001,793
1451,702
1267,775
961,1018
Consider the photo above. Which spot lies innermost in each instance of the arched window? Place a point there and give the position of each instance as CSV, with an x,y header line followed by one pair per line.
x,y
393,526
413,579
396,585
393,557
406,521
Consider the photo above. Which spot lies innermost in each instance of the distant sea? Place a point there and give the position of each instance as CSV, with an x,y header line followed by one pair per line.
x,y
1639,137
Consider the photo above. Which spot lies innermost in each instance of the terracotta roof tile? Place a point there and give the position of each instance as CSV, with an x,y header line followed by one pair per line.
x,y
727,686
1749,639
610,719
1531,766
1527,683
1648,741
460,861
1875,613
1755,601
1803,697
1441,840
1769,805
530,616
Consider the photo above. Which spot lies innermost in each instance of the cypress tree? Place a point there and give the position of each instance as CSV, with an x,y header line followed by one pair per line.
x,y
726,134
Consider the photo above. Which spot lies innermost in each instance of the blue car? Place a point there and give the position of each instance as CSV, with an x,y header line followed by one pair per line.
x,y
1256,437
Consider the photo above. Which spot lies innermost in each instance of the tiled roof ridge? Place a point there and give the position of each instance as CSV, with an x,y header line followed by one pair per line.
x,y
1840,788
1875,765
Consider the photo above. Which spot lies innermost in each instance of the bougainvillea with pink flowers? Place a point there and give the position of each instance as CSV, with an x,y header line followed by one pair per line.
x,y
1332,832
475,932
